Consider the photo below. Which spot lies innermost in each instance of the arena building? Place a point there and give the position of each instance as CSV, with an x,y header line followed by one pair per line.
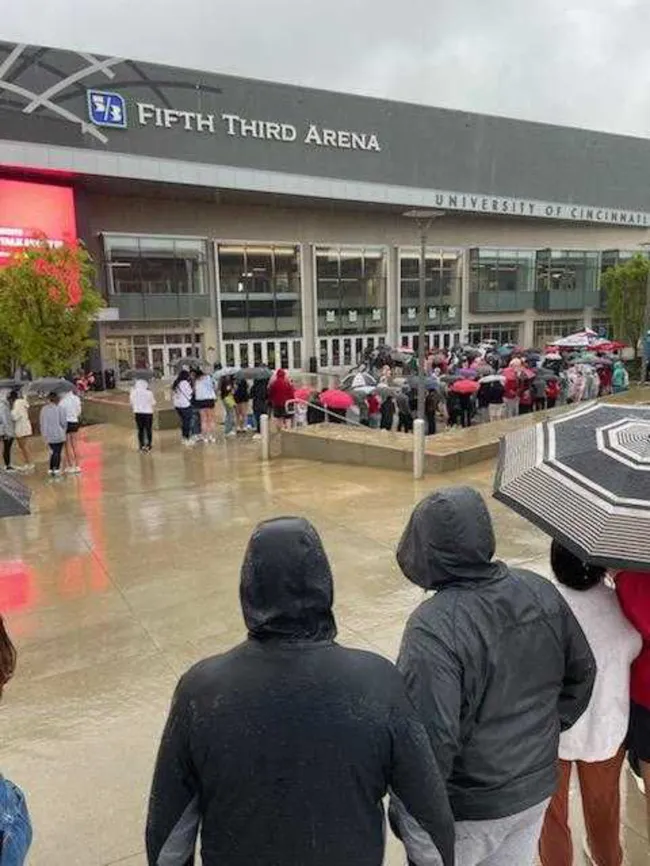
x,y
255,221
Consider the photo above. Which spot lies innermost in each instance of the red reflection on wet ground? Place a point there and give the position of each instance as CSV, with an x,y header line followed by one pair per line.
x,y
17,589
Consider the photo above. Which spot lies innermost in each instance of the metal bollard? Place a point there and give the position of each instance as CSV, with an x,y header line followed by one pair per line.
x,y
418,448
266,438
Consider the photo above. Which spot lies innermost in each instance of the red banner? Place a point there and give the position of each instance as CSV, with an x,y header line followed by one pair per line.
x,y
31,212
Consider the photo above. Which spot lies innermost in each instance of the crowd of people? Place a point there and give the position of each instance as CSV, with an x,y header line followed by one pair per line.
x,y
281,750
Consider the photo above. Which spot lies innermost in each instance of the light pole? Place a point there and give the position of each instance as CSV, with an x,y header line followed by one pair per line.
x,y
646,322
423,218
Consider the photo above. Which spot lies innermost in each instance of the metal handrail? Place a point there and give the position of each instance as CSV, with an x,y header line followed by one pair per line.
x,y
324,410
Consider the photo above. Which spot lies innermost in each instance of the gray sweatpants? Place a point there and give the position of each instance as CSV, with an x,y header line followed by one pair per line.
x,y
510,841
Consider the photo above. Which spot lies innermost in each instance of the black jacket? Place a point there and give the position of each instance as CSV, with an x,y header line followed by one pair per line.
x,y
285,746
495,661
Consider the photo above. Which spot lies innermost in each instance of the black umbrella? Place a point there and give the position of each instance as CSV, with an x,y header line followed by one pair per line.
x,y
14,496
146,375
254,373
192,362
11,383
49,385
584,478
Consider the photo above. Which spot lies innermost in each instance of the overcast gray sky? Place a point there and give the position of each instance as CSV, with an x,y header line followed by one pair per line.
x,y
575,62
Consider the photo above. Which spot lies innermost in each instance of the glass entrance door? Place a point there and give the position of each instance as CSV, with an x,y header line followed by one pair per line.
x,y
163,359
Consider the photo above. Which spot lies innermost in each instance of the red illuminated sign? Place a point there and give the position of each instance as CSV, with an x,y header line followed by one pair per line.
x,y
30,212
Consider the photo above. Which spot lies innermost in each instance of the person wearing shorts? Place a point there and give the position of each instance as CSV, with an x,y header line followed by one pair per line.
x,y
72,407
281,391
633,589
204,400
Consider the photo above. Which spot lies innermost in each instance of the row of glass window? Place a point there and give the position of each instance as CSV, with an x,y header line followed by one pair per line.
x,y
544,330
260,285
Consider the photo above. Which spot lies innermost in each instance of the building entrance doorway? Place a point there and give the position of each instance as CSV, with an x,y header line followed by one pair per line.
x,y
163,358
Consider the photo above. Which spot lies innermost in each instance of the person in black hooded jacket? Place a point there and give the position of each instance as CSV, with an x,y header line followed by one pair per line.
x,y
284,747
497,665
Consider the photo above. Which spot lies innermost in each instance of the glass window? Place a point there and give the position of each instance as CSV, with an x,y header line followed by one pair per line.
x,y
443,276
351,290
155,265
547,330
572,271
502,332
260,290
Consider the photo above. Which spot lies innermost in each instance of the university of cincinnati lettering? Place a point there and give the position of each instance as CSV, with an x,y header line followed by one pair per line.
x,y
268,130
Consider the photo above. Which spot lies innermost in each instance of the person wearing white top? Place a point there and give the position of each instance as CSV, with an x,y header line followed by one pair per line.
x,y
22,426
596,742
204,399
142,402
182,400
71,405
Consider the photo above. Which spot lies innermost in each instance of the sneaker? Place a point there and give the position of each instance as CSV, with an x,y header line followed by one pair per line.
x,y
28,467
69,470
57,473
188,443
10,469
256,436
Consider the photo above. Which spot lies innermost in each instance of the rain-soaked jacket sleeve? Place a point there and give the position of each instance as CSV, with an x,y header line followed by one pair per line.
x,y
173,818
579,671
420,813
433,676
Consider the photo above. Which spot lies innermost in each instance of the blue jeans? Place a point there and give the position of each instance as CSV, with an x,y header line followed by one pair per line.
x,y
15,826
185,414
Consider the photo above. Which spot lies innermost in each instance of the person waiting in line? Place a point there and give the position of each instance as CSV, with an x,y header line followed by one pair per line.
x,y
374,411
315,414
204,401
53,424
260,399
387,413
404,416
143,402
552,393
22,426
227,395
452,403
282,749
496,664
495,407
620,378
432,404
71,404
465,409
242,398
633,590
281,391
182,396
596,743
483,402
525,398
511,392
7,432
538,391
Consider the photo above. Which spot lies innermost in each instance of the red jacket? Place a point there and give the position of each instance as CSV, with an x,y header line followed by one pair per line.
x,y
633,589
280,390
373,405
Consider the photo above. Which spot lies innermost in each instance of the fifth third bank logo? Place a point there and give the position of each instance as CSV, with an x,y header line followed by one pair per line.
x,y
106,108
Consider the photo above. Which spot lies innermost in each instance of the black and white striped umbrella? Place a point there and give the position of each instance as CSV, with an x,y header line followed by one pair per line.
x,y
584,478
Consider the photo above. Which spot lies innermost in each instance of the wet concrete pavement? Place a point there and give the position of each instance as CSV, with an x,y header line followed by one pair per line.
x,y
127,574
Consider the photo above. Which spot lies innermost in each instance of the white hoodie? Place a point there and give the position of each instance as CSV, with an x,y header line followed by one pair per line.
x,y
142,399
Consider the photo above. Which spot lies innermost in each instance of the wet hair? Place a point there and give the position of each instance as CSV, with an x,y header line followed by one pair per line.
x,y
14,394
7,656
571,571
53,397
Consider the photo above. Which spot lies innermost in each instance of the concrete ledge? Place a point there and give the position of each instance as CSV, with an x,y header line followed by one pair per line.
x,y
444,452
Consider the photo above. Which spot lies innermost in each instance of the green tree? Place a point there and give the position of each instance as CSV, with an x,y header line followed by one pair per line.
x,y
47,306
625,287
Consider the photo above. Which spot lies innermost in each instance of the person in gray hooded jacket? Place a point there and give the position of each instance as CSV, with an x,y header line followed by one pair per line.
x,y
497,665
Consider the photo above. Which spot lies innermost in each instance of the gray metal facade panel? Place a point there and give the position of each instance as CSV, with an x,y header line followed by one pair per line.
x,y
421,147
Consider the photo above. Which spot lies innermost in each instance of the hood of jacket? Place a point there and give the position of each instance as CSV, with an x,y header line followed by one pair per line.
x,y
449,539
286,587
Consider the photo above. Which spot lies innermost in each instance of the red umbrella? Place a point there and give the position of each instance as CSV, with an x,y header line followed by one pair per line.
x,y
465,386
334,399
304,393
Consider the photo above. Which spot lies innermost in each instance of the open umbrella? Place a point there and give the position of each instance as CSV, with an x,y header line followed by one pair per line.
x,y
49,385
10,384
465,386
188,362
493,377
358,380
254,373
303,393
146,375
466,372
583,479
14,496
225,371
336,399
544,373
